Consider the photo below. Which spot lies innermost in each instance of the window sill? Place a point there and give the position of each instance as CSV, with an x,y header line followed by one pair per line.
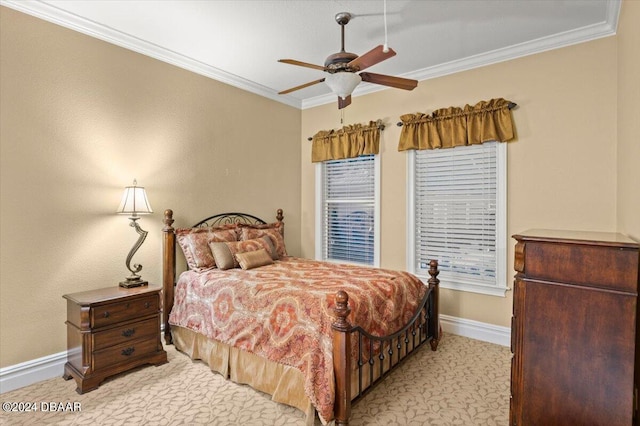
x,y
471,288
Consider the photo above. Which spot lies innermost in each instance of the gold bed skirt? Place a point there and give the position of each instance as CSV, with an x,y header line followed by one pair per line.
x,y
285,384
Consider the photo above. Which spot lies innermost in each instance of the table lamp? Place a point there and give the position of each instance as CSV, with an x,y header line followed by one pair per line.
x,y
134,202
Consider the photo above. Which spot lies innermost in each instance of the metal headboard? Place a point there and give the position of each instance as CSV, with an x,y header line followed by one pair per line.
x,y
229,218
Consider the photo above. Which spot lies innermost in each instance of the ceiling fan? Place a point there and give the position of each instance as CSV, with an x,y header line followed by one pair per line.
x,y
343,69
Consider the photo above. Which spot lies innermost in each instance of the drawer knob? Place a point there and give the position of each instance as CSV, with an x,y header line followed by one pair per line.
x,y
106,314
129,332
147,305
128,351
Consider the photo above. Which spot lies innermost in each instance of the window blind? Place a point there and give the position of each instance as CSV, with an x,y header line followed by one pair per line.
x,y
348,196
455,212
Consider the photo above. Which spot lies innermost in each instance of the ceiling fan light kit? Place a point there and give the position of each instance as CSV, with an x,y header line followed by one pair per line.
x,y
342,83
342,69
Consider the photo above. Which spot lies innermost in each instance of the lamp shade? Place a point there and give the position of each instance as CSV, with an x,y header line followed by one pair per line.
x,y
342,83
134,201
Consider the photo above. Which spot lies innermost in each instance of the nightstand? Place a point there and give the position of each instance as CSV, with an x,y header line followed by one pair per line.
x,y
111,330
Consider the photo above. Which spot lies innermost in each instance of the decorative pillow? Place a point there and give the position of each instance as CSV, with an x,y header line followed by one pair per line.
x,y
194,243
254,259
275,231
224,253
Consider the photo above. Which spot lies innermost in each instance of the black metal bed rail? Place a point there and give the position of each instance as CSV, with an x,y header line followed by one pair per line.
x,y
412,336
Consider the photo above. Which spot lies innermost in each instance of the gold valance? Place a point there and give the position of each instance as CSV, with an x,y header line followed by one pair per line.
x,y
450,127
349,142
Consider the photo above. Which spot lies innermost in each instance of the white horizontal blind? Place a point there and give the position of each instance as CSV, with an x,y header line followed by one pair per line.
x,y
455,212
348,197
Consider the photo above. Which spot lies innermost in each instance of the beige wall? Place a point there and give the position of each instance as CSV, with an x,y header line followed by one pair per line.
x,y
80,119
561,168
629,119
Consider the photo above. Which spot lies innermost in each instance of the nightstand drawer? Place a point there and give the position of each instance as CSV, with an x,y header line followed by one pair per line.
x,y
125,333
113,313
123,353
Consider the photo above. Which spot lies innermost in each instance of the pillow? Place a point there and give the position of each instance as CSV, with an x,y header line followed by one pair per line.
x,y
275,231
224,252
254,259
194,243
279,226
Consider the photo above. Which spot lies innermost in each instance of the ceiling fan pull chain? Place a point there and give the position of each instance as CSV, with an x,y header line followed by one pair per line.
x,y
385,48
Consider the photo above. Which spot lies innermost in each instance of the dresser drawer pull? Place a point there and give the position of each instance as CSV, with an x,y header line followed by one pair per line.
x,y
129,332
147,305
128,351
106,314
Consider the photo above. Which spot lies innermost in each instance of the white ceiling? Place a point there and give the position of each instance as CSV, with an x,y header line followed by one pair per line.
x,y
239,42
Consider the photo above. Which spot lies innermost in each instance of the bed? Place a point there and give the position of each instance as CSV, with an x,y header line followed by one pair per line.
x,y
314,335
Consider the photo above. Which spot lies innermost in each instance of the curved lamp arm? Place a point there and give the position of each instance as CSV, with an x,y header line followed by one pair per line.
x,y
134,279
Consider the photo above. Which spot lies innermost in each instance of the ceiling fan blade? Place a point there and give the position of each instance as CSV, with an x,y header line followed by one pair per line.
x,y
343,103
302,86
387,80
302,64
370,58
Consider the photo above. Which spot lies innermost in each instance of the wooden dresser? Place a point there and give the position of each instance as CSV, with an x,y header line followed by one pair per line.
x,y
573,333
111,330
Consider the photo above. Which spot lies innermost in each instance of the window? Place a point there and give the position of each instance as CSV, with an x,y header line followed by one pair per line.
x,y
347,210
457,215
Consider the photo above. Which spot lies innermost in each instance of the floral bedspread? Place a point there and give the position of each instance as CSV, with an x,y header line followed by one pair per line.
x,y
283,312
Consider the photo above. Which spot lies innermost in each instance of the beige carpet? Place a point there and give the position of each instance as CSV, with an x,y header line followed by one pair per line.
x,y
466,382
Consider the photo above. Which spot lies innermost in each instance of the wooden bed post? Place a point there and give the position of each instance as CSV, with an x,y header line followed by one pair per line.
x,y
342,359
434,315
168,272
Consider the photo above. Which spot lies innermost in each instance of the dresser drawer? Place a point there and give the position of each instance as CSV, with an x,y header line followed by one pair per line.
x,y
123,310
125,333
612,268
121,354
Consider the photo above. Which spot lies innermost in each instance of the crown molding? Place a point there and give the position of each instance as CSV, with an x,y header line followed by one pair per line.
x,y
543,44
74,22
57,16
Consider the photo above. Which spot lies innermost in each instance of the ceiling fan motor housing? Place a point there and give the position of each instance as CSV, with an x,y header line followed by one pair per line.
x,y
338,61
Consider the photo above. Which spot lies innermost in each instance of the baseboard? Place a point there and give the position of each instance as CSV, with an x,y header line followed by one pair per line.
x,y
29,372
48,367
476,330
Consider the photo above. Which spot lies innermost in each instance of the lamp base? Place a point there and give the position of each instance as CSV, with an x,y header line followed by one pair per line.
x,y
133,283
